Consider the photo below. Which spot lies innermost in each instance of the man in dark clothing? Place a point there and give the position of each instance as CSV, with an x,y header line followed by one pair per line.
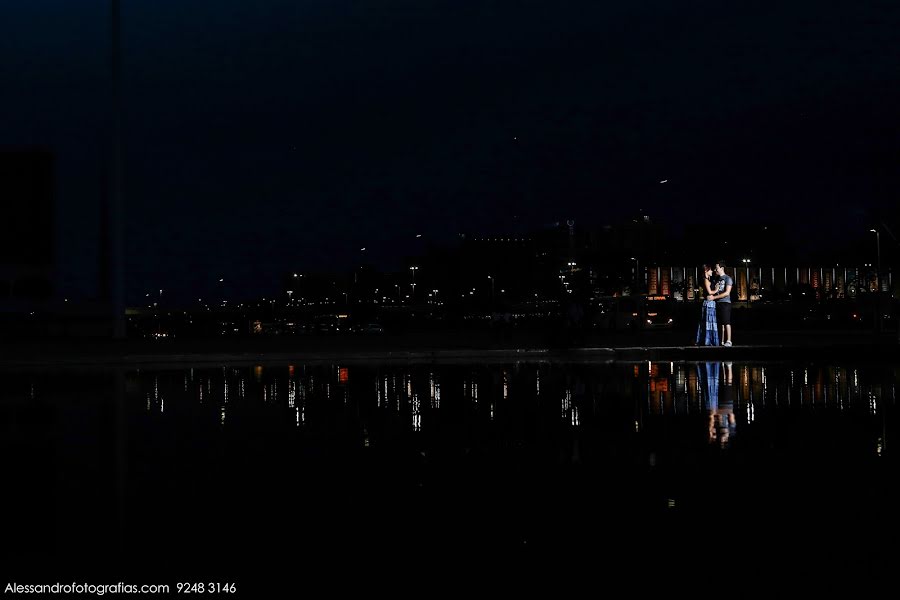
x,y
722,296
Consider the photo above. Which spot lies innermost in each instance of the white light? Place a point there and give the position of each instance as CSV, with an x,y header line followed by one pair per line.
x,y
664,181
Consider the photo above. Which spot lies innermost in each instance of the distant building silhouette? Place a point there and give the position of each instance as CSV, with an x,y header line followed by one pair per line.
x,y
26,229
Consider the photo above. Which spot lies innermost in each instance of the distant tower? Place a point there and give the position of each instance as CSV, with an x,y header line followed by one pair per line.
x,y
571,224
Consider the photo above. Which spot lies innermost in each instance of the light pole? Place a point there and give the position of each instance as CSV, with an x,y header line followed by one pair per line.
x,y
492,291
637,276
413,270
878,315
113,223
297,278
746,262
878,262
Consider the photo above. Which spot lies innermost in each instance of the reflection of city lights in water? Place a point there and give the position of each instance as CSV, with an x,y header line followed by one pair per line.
x,y
537,383
435,395
815,386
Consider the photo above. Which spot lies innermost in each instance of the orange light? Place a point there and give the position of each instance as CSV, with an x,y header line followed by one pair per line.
x,y
343,375
659,384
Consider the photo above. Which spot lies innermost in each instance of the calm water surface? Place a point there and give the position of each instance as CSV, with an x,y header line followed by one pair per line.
x,y
233,465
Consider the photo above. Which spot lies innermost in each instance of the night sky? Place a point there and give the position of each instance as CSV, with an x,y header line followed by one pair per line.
x,y
272,135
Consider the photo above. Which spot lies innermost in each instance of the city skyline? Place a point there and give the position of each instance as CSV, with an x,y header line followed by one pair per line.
x,y
268,137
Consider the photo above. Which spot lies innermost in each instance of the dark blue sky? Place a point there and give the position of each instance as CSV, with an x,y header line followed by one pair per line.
x,y
269,135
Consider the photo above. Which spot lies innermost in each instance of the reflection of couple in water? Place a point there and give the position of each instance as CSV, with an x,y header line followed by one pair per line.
x,y
718,400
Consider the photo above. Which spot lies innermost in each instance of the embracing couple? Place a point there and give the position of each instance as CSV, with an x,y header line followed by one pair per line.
x,y
716,307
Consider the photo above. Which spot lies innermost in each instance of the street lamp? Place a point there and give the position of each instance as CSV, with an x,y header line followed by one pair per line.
x,y
746,262
637,276
414,269
878,250
878,316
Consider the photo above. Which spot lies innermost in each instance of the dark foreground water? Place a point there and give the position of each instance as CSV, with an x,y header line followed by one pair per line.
x,y
296,468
